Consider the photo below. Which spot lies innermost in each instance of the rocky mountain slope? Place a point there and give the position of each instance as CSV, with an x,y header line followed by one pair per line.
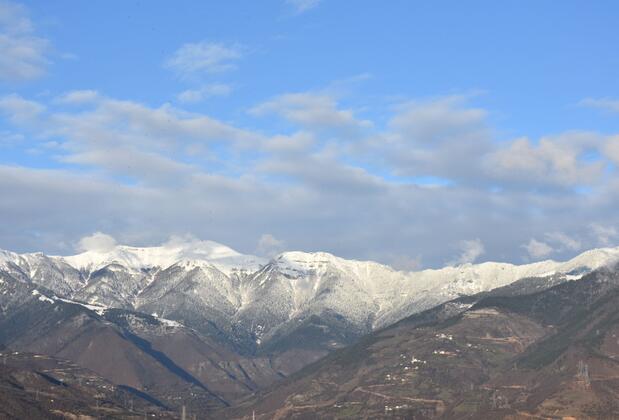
x,y
204,326
251,303
169,362
34,386
550,354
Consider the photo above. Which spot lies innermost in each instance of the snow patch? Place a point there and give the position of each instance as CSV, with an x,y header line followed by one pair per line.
x,y
42,297
167,322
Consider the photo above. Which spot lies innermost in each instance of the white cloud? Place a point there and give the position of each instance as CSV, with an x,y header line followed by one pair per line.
x,y
8,138
204,57
200,94
555,160
440,120
126,138
299,142
324,172
563,241
441,137
471,250
23,55
351,216
537,249
607,104
79,97
269,245
453,141
97,242
611,149
604,235
314,111
302,6
19,110
142,166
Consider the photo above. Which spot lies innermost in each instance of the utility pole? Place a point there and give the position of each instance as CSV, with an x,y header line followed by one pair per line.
x,y
183,414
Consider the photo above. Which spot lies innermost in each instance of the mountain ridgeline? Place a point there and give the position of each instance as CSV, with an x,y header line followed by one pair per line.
x,y
551,354
204,328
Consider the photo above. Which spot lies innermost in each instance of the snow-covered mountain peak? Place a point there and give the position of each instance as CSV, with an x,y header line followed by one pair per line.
x,y
130,257
6,256
313,262
304,262
593,258
137,258
203,282
204,250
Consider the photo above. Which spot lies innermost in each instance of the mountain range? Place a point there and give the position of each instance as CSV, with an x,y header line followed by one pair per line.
x,y
551,354
202,326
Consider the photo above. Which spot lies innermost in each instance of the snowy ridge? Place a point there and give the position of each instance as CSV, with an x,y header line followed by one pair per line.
x,y
392,291
205,284
224,258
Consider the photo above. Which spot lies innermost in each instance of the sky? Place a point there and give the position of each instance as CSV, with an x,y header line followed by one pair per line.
x,y
417,134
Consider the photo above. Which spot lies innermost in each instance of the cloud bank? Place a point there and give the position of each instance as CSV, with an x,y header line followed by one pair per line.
x,y
414,188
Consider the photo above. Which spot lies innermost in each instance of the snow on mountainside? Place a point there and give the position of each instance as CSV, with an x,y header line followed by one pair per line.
x,y
224,258
247,300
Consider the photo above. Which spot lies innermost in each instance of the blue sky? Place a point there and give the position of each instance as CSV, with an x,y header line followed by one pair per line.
x,y
414,133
